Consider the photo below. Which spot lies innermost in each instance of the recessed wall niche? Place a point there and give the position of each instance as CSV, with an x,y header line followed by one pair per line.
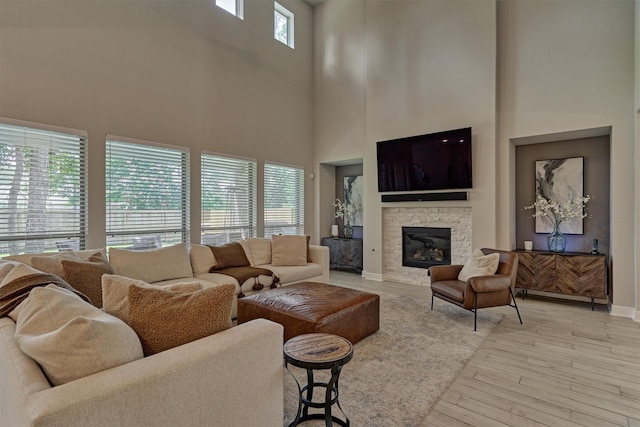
x,y
596,153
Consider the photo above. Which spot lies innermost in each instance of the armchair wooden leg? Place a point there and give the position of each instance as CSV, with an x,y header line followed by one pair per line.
x,y
515,305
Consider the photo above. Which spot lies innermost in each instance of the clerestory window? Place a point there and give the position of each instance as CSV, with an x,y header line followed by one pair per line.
x,y
234,7
43,190
283,25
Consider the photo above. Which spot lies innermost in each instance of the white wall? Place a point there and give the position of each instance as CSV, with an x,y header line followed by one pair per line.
x,y
179,72
394,79
565,66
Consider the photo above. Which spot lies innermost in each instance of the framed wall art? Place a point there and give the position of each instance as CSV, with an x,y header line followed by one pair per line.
x,y
353,192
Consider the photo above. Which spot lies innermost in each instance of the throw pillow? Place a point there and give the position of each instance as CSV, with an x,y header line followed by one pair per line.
x,y
115,293
155,265
86,276
479,265
229,255
52,264
70,338
164,319
288,250
201,259
260,249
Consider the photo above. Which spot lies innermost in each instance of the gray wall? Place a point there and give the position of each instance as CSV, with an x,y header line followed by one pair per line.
x,y
596,183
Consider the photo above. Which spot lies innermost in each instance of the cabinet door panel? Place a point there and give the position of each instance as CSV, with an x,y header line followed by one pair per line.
x,y
581,275
537,272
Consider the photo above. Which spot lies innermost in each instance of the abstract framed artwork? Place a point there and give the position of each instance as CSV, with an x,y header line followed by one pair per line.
x,y
560,180
353,191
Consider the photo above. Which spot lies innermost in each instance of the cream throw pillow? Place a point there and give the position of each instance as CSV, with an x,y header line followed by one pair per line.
x,y
479,265
115,293
260,249
288,250
70,338
155,265
52,264
202,259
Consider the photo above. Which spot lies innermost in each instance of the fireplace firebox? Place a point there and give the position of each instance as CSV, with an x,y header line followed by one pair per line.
x,y
423,247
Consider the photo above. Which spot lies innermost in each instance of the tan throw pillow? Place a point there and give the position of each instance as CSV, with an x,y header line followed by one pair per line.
x,y
229,255
201,259
164,319
115,293
479,265
155,265
70,338
86,276
52,264
288,250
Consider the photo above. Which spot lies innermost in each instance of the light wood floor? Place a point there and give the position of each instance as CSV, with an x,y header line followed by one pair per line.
x,y
565,366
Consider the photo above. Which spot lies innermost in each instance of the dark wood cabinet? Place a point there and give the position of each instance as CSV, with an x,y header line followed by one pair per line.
x,y
566,273
344,254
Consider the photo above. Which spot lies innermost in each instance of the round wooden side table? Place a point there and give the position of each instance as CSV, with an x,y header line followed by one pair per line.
x,y
314,352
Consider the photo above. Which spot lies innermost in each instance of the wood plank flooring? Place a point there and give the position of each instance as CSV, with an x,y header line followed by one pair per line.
x,y
565,366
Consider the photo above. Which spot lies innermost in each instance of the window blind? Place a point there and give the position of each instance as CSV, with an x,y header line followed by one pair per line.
x,y
283,200
147,195
42,190
228,188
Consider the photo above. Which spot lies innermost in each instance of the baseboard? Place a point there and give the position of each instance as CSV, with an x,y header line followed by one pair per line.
x,y
621,311
372,276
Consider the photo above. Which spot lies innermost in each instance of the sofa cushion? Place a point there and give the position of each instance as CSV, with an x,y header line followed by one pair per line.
x,y
52,264
288,250
165,319
479,264
202,259
296,273
155,265
260,249
229,255
115,292
70,338
86,276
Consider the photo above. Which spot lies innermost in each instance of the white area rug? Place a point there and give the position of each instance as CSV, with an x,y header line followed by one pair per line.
x,y
399,373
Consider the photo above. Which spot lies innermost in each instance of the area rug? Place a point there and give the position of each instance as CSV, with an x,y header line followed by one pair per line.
x,y
398,374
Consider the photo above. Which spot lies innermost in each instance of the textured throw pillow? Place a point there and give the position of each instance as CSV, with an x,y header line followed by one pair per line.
x,y
288,250
86,276
260,249
115,293
164,319
52,264
70,338
202,259
229,255
479,265
155,265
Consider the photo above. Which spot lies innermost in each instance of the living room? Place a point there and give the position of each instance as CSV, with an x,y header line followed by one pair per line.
x,y
189,74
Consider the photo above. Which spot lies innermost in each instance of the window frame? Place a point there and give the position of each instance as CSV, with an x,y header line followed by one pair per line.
x,y
248,223
239,8
281,11
298,209
149,238
74,234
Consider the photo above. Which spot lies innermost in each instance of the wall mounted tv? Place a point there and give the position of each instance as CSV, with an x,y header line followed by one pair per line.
x,y
435,161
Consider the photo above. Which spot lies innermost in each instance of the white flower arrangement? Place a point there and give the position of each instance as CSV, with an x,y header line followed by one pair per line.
x,y
558,212
343,210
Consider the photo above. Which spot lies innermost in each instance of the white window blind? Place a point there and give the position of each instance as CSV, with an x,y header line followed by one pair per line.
x,y
283,200
228,199
42,190
147,195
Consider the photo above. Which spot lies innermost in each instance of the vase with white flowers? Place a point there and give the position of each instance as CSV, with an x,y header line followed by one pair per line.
x,y
345,212
556,213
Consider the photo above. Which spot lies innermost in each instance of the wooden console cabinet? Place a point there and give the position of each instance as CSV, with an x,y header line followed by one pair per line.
x,y
566,273
344,254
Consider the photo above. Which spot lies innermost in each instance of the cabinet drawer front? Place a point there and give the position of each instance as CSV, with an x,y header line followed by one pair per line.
x,y
581,275
537,272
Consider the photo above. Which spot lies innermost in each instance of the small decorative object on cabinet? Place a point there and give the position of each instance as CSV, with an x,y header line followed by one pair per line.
x,y
334,230
348,231
568,273
344,254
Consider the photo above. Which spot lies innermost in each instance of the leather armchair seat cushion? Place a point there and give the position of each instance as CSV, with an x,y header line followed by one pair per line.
x,y
451,289
310,307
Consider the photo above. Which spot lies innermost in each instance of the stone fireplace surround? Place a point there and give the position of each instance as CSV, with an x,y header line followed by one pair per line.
x,y
394,218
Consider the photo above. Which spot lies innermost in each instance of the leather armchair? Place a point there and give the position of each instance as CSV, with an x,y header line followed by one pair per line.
x,y
480,291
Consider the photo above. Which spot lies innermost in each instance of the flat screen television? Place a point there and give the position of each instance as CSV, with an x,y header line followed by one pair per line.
x,y
435,161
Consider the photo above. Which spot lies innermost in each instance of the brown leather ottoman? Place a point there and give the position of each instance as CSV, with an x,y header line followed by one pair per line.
x,y
308,307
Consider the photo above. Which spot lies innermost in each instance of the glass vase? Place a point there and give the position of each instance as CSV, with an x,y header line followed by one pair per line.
x,y
556,241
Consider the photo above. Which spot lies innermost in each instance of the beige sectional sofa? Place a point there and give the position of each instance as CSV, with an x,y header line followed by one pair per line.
x,y
231,378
